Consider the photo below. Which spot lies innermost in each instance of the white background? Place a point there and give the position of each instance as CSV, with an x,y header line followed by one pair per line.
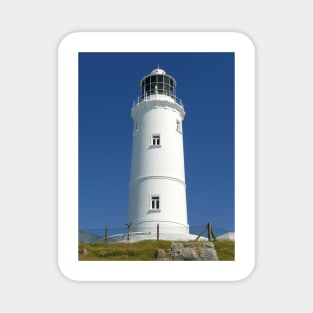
x,y
30,33
244,155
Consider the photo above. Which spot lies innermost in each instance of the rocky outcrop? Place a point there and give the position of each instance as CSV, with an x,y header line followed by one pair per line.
x,y
188,251
82,251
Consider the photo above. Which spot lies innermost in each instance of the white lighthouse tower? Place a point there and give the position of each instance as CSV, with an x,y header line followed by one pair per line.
x,y
157,189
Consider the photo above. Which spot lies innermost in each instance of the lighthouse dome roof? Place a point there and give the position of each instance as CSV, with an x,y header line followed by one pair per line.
x,y
158,71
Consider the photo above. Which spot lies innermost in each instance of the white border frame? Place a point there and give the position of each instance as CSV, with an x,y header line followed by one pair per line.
x,y
68,51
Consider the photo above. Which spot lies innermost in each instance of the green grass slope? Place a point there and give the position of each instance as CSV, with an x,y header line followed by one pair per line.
x,y
142,251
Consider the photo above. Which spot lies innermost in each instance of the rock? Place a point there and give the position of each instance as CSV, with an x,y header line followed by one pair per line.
x,y
176,256
177,246
163,255
83,251
189,254
208,254
188,251
208,244
160,253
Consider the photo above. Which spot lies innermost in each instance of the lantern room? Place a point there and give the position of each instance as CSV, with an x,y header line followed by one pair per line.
x,y
158,82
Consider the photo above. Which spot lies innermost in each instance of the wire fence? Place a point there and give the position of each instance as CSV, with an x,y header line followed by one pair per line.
x,y
97,234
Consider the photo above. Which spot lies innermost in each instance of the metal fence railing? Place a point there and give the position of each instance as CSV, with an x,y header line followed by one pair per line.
x,y
151,97
100,234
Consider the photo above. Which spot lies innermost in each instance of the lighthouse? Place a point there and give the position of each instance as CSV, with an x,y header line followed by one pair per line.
x,y
157,187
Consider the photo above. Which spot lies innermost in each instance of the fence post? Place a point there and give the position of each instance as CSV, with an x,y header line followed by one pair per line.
x,y
128,226
158,231
202,231
106,232
213,235
209,231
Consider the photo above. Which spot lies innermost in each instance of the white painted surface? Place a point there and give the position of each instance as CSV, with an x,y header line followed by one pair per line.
x,y
137,236
227,236
158,170
158,71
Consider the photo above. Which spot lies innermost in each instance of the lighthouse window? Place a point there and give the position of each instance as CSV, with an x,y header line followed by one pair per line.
x,y
154,87
166,89
160,87
160,78
156,141
136,126
148,89
155,202
178,126
171,90
158,84
147,80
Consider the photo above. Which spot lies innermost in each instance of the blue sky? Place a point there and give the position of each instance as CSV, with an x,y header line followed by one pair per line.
x,y
108,84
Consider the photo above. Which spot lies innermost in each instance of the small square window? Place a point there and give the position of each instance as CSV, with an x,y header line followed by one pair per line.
x,y
156,140
155,203
178,126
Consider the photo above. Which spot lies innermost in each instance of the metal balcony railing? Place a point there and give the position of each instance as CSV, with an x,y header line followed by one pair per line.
x,y
159,96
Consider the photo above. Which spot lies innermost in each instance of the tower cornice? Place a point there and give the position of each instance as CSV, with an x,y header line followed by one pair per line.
x,y
158,101
142,178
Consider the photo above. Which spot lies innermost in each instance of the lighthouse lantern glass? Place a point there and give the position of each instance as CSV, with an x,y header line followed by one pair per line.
x,y
158,84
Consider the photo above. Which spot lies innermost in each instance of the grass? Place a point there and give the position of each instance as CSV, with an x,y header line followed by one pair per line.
x,y
143,250
225,249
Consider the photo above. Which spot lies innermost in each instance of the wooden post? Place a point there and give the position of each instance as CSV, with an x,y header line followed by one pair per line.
x,y
213,233
158,231
209,231
106,232
128,226
202,231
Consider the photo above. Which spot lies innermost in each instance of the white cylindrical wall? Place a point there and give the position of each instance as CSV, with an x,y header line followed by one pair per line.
x,y
158,170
